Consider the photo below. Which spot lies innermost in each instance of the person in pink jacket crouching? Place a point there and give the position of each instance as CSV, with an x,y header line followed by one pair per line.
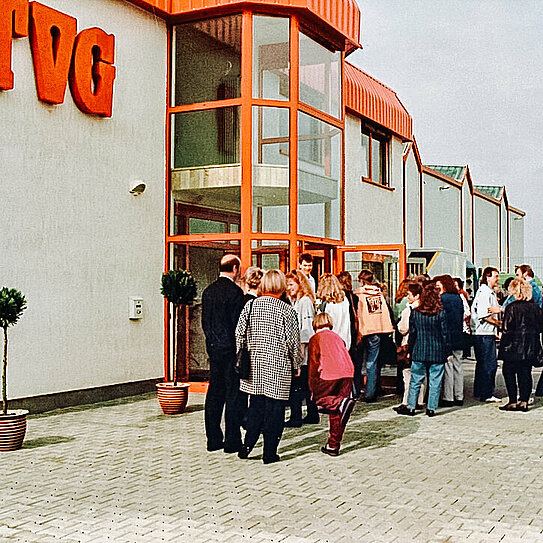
x,y
330,379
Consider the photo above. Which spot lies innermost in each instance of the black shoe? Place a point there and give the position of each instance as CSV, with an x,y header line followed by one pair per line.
x,y
458,402
244,452
370,400
271,459
311,419
446,403
231,450
215,447
293,424
398,407
430,413
404,410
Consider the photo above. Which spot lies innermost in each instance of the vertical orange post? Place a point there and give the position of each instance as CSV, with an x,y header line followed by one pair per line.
x,y
246,137
294,96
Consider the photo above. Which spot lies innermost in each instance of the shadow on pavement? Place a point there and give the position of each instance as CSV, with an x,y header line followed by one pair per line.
x,y
44,441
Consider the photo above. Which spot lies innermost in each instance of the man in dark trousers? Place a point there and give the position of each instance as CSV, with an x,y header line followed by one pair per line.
x,y
222,302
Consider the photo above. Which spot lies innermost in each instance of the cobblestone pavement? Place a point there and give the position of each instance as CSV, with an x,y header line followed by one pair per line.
x,y
123,472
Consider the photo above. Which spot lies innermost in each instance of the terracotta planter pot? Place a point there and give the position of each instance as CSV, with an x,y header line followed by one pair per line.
x,y
12,429
173,398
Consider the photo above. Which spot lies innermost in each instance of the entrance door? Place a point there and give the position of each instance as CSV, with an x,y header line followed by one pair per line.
x,y
387,262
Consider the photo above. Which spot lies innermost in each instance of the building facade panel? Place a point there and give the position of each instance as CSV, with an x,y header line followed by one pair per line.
x,y
516,239
487,232
467,222
74,240
441,213
374,213
412,202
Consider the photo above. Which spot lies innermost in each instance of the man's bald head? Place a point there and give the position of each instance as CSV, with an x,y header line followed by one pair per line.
x,y
229,263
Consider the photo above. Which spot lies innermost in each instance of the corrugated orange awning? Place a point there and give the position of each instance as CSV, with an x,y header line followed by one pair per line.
x,y
341,15
371,99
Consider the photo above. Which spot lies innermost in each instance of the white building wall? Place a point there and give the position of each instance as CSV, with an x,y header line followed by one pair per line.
x,y
373,215
73,239
486,217
412,212
503,237
441,204
516,239
467,220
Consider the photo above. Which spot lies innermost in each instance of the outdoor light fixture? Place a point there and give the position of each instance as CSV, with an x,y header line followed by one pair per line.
x,y
138,189
444,187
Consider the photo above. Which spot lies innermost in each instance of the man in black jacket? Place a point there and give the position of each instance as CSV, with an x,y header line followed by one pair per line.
x,y
222,302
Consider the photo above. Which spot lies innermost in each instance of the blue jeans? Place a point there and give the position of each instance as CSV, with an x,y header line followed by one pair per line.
x,y
435,376
486,366
371,350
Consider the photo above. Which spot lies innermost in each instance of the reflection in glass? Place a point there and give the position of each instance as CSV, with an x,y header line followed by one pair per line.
x,y
319,178
206,163
270,57
365,156
376,161
207,60
270,169
270,254
320,82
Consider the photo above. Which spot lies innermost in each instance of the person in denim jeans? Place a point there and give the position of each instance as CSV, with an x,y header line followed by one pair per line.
x,y
373,320
483,313
430,345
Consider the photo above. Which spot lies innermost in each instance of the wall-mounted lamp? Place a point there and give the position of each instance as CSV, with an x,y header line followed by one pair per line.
x,y
138,189
444,187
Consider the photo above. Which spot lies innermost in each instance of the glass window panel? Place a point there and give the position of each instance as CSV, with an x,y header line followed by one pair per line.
x,y
206,169
202,260
320,82
206,226
271,57
365,156
207,60
270,169
270,254
376,161
319,178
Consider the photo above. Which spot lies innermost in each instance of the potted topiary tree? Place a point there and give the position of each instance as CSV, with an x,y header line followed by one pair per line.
x,y
179,288
12,423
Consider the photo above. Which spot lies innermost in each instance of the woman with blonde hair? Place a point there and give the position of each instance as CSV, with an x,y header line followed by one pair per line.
x,y
331,299
303,300
520,344
268,327
251,280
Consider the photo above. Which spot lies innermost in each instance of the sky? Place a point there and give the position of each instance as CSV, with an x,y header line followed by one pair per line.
x,y
470,73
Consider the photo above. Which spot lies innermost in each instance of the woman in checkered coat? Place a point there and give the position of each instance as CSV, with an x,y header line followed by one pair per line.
x,y
273,339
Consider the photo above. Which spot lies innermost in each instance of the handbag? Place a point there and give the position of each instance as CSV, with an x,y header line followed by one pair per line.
x,y
243,356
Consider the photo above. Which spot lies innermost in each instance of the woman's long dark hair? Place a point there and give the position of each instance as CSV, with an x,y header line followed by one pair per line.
x,y
430,300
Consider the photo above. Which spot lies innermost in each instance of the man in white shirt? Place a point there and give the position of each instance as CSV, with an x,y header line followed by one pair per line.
x,y
305,265
484,313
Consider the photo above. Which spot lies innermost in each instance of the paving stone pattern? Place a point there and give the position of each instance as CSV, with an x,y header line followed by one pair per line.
x,y
123,472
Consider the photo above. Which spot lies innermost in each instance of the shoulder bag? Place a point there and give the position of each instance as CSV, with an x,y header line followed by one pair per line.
x,y
243,356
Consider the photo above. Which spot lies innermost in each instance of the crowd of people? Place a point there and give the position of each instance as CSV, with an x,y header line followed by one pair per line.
x,y
308,342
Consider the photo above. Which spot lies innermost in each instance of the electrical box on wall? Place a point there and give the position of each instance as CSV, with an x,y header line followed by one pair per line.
x,y
135,307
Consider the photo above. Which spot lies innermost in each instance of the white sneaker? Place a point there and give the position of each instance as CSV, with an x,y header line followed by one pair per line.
x,y
493,399
531,400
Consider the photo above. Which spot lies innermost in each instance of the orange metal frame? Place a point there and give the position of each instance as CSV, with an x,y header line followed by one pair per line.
x,y
246,102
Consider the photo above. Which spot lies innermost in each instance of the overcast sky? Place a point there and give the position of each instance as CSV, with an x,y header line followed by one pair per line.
x,y
470,73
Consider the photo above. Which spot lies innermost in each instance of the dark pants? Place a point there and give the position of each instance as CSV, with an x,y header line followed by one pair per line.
x,y
468,340
265,416
485,367
521,371
539,388
223,392
298,393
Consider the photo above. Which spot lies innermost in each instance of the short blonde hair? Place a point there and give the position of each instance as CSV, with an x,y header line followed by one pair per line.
x,y
253,276
273,282
330,290
520,289
322,320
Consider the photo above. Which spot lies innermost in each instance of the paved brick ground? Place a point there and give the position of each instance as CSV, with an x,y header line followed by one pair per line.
x,y
123,472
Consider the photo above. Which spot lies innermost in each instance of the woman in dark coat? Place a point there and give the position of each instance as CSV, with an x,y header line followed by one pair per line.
x,y
430,345
520,345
